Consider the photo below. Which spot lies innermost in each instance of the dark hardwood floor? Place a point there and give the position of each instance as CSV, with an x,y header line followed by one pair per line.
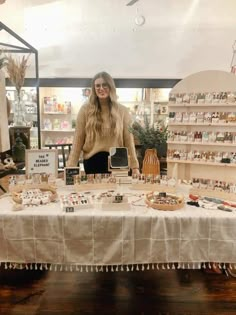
x,y
161,292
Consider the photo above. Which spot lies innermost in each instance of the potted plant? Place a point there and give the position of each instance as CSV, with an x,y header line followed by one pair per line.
x,y
151,136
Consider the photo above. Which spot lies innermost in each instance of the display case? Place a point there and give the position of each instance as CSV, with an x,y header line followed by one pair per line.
x,y
202,126
15,45
30,114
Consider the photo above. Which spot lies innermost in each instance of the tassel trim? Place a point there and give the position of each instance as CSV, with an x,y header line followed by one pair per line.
x,y
115,268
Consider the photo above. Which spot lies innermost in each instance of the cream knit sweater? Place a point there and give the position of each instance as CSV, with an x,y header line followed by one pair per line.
x,y
123,139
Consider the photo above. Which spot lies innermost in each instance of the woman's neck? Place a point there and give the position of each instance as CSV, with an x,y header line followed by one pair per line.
x,y
104,104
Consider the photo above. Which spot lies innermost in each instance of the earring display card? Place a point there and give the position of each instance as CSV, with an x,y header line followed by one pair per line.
x,y
75,201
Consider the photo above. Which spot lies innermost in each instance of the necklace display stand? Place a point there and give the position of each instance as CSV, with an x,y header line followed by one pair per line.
x,y
121,174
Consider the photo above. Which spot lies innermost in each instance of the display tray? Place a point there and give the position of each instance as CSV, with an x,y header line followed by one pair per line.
x,y
74,202
154,200
17,190
212,193
153,187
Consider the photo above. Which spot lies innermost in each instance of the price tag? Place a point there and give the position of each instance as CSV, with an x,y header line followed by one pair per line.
x,y
70,209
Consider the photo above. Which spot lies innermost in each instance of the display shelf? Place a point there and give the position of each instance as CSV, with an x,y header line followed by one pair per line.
x,y
182,123
203,143
203,103
56,119
204,163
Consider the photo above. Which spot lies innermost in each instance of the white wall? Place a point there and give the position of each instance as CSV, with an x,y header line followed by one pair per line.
x,y
77,38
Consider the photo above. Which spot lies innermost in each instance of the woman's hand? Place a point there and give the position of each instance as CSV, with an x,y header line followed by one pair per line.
x,y
135,171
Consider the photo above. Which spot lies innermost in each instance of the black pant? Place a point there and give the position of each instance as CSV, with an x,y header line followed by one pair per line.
x,y
97,164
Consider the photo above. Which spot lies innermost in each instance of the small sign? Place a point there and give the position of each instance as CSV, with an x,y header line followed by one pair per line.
x,y
41,161
70,209
69,173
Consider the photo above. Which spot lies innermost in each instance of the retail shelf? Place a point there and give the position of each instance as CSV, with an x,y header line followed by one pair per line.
x,y
203,163
202,104
204,143
182,123
192,119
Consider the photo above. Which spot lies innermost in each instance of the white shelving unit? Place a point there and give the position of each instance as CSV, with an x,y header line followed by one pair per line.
x,y
55,131
194,161
56,127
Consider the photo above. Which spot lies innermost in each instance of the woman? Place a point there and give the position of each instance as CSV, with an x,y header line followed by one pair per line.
x,y
102,123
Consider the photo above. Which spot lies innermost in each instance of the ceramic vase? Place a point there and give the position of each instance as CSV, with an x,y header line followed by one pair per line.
x,y
151,164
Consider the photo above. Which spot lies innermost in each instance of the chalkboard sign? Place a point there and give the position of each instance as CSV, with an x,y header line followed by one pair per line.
x,y
69,173
41,161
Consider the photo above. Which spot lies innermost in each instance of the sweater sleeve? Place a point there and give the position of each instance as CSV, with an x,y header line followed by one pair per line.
x,y
79,138
129,140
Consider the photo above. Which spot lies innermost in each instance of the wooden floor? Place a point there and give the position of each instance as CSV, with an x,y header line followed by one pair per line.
x,y
162,292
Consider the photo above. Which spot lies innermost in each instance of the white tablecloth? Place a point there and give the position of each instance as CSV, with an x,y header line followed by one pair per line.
x,y
95,237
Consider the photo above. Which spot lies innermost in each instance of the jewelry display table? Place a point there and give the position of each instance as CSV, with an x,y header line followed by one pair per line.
x,y
120,239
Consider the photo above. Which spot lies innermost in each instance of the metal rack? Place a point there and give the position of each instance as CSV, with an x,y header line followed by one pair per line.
x,y
24,48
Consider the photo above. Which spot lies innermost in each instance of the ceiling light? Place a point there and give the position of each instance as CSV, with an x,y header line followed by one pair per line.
x,y
139,20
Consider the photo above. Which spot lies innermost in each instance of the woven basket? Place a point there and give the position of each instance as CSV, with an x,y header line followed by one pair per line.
x,y
165,207
17,190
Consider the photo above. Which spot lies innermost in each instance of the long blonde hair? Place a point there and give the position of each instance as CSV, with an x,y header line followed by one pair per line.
x,y
95,123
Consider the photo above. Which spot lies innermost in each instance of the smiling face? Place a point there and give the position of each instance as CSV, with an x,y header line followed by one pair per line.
x,y
102,89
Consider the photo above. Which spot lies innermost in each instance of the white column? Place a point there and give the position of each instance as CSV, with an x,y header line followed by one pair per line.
x,y
4,132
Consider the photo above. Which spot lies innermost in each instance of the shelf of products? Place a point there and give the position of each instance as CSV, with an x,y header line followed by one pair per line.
x,y
60,106
202,134
56,121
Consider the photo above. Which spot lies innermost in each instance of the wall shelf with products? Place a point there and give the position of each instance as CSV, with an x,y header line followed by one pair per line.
x,y
202,138
56,121
59,109
202,163
202,143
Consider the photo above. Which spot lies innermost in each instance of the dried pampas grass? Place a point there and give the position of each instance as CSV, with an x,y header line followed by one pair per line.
x,y
16,69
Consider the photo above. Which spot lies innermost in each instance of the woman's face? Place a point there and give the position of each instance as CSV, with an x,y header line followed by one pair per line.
x,y
102,89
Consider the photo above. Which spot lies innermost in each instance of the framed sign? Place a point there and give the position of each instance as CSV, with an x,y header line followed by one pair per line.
x,y
41,161
69,173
